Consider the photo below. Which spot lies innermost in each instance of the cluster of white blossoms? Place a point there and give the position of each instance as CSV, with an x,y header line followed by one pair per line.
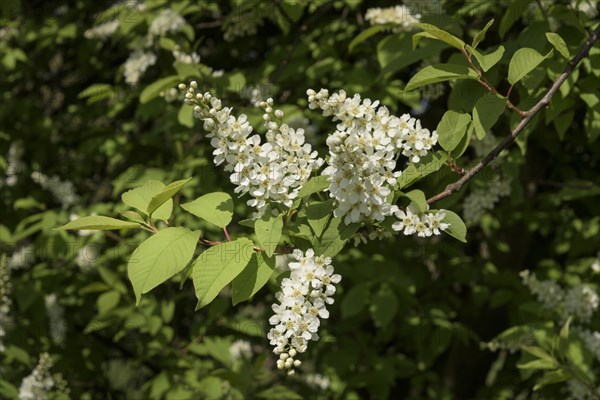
x,y
591,340
302,303
424,224
242,24
479,201
577,390
22,257
166,21
37,384
581,301
400,16
63,191
548,293
56,319
318,381
14,164
363,153
240,349
135,66
5,300
273,171
102,31
184,58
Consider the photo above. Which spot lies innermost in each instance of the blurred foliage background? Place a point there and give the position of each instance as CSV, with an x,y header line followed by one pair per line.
x,y
88,111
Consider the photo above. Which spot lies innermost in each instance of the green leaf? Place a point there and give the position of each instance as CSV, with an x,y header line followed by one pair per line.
x,y
98,222
164,195
253,277
335,236
428,165
451,129
481,34
292,8
216,208
564,336
418,198
355,300
107,301
268,232
185,116
153,90
219,265
133,216
442,35
513,13
487,61
457,228
364,35
317,214
439,73
538,364
395,52
551,377
140,198
523,62
559,44
160,257
538,352
314,185
486,113
278,392
384,306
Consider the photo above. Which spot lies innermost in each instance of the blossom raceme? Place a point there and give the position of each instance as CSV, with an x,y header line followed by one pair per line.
x,y
424,224
270,171
400,16
363,153
301,305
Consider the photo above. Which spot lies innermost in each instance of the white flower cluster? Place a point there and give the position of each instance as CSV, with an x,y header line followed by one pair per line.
x,y
57,324
13,164
5,300
135,66
240,349
63,191
102,31
363,153
166,21
86,257
273,171
424,224
481,200
401,16
302,302
37,384
318,381
22,257
581,301
578,391
170,95
184,58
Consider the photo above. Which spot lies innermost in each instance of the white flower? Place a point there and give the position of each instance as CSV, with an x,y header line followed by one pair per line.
x,y
549,293
273,171
400,16
481,200
424,224
592,341
37,384
23,257
57,324
240,349
581,301
5,300
302,304
184,58
135,66
166,21
102,31
363,152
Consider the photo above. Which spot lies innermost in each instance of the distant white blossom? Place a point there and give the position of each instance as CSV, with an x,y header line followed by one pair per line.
x,y
166,21
37,384
548,292
14,164
135,66
185,58
57,324
22,257
87,256
481,200
400,16
242,24
240,349
63,191
302,303
318,381
581,301
5,301
102,31
591,340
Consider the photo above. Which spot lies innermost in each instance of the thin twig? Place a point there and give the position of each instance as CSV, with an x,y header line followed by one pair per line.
x,y
528,116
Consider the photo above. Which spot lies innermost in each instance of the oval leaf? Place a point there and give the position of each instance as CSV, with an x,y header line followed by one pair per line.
x,y
160,198
442,35
268,232
216,208
559,44
486,113
253,277
439,73
457,228
218,266
140,198
160,257
99,223
452,128
523,62
153,90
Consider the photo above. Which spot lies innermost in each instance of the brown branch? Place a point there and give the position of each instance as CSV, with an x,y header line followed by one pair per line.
x,y
527,117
